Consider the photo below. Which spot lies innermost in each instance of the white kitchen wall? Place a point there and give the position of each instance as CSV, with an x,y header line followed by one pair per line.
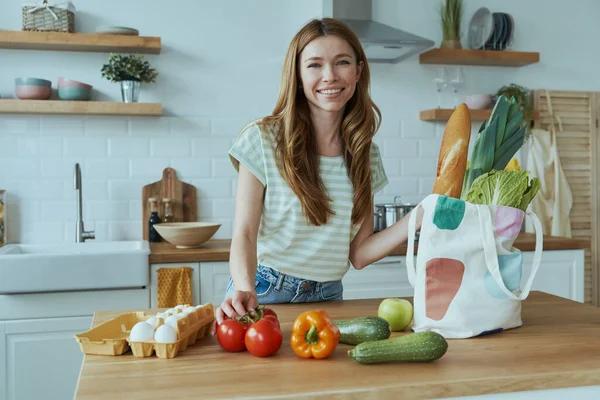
x,y
220,67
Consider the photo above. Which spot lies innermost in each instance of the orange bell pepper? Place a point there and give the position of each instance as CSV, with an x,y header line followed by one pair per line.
x,y
314,335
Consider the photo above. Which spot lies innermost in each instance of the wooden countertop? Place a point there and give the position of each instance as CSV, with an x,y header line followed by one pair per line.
x,y
555,348
218,250
212,250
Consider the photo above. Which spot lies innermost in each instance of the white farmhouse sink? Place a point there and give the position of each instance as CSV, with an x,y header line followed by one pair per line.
x,y
30,268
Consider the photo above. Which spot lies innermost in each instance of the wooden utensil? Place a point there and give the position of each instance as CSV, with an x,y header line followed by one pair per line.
x,y
183,197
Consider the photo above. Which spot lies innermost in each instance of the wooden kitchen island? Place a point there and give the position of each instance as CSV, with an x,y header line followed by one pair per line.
x,y
558,346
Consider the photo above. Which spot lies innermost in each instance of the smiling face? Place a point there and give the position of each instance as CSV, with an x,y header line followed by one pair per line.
x,y
328,71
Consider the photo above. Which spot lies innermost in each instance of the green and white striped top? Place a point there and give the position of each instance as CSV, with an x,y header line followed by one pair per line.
x,y
286,242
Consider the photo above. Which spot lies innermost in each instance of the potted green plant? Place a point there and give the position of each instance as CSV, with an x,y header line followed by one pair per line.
x,y
522,96
131,71
451,12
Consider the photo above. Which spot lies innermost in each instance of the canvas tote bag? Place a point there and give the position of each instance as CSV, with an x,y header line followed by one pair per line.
x,y
467,273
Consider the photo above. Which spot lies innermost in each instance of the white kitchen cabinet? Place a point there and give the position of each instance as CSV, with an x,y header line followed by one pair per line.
x,y
384,278
561,273
3,364
214,277
39,356
209,281
40,359
154,280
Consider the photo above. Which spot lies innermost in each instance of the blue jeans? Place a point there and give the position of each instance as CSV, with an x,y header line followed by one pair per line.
x,y
273,287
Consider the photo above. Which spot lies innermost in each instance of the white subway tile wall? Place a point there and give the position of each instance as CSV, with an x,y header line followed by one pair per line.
x,y
120,155
210,86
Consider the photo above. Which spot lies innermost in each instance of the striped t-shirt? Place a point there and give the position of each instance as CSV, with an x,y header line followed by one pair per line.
x,y
286,241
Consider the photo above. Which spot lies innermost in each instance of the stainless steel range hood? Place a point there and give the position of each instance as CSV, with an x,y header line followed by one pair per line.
x,y
382,43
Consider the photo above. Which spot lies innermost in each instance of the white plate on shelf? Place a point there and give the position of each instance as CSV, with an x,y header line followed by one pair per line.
x,y
117,30
481,28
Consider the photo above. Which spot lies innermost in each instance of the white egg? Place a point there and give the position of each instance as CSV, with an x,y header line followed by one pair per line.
x,y
180,307
189,310
141,332
165,334
162,315
171,311
154,321
172,322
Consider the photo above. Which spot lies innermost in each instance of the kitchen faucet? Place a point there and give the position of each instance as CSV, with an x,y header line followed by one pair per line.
x,y
80,234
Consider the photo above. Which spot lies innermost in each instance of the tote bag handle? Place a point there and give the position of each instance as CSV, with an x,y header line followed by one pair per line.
x,y
410,252
491,255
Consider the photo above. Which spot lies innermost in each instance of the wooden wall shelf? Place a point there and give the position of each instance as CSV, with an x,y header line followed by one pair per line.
x,y
61,107
84,42
498,58
443,114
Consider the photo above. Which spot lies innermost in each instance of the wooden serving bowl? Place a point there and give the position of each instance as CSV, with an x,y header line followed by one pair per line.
x,y
187,235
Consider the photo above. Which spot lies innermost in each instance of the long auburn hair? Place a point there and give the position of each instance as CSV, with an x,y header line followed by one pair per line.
x,y
295,142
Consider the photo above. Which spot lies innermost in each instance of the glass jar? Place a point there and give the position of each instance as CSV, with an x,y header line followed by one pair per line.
x,y
2,217
168,217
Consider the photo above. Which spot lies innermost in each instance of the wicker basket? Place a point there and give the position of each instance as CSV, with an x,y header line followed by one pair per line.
x,y
42,19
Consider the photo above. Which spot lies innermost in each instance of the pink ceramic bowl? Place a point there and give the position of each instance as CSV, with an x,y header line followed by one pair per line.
x,y
30,92
62,82
478,101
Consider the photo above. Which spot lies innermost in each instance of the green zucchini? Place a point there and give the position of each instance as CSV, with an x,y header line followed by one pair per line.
x,y
363,329
416,347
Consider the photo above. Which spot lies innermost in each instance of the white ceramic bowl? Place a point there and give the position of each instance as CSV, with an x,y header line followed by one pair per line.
x,y
187,235
478,101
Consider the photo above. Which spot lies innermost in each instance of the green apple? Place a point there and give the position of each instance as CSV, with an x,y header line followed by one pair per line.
x,y
397,312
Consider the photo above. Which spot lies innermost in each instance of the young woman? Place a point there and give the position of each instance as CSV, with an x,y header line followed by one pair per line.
x,y
307,176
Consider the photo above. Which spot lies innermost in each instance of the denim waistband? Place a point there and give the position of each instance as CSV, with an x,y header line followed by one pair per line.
x,y
280,280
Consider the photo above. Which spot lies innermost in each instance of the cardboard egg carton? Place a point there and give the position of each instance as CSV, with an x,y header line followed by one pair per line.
x,y
113,337
191,328
109,338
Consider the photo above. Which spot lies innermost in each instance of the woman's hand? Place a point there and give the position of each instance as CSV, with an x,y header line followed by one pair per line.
x,y
234,306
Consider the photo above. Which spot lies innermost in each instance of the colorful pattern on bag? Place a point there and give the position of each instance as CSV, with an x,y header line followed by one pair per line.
x,y
511,268
508,221
443,277
449,213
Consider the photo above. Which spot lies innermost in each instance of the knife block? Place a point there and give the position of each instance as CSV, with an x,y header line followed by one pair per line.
x,y
183,196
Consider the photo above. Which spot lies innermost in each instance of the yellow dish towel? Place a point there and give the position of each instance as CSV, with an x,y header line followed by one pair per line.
x,y
174,286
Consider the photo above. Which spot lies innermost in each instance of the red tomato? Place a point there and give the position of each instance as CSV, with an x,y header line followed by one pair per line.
x,y
263,338
269,311
270,314
231,335
272,319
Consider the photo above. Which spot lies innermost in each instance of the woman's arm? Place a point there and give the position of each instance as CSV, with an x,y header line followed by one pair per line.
x,y
368,247
248,209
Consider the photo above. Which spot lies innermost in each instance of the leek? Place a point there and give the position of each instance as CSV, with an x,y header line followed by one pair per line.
x,y
498,140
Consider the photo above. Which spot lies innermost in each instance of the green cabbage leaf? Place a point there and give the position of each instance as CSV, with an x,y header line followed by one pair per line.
x,y
504,188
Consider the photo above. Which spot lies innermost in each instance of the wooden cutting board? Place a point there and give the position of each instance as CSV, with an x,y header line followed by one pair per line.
x,y
183,197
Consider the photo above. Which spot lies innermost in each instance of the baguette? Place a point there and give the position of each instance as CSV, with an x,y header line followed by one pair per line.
x,y
452,161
